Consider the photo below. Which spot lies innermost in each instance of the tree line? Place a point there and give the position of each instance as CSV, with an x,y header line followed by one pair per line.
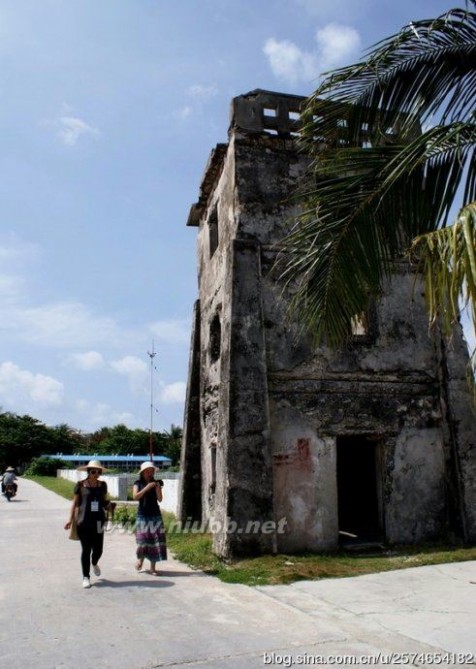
x,y
23,438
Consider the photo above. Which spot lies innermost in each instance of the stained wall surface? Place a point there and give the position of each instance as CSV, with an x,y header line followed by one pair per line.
x,y
374,441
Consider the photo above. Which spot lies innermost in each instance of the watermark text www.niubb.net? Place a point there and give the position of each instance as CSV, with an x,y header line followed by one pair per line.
x,y
212,526
377,659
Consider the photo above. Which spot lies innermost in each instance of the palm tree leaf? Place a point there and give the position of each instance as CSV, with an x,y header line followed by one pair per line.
x,y
447,259
375,181
447,156
419,72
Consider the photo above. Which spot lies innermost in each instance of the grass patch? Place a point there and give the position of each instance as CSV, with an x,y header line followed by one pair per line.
x,y
284,569
195,549
61,487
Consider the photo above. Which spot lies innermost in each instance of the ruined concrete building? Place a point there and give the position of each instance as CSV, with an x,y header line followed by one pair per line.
x,y
288,448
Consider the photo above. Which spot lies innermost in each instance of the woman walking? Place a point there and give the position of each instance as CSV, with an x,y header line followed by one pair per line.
x,y
150,532
90,504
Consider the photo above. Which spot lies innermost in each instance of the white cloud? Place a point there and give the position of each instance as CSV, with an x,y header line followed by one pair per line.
x,y
133,368
129,365
336,45
14,251
185,112
101,414
10,287
63,325
202,92
173,393
288,62
15,255
136,371
199,94
172,332
68,324
72,128
91,360
17,386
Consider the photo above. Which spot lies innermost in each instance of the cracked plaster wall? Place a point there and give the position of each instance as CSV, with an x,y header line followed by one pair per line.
x,y
271,407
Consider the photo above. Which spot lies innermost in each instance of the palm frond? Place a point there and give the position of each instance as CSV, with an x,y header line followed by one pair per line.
x,y
375,181
428,69
447,260
446,154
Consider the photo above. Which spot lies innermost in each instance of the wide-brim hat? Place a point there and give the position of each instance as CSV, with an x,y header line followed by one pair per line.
x,y
147,465
9,469
93,464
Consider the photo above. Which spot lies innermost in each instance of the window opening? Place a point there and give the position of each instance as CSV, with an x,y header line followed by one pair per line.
x,y
213,231
359,325
213,464
215,338
363,327
269,112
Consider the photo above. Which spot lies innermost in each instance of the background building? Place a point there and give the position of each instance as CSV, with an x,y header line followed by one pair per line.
x,y
123,463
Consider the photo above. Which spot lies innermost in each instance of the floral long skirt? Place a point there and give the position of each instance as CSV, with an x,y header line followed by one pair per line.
x,y
150,538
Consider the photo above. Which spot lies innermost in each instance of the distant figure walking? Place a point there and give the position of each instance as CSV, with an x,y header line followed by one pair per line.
x,y
89,507
150,531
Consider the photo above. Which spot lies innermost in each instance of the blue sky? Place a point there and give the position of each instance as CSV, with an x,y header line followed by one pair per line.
x,y
109,111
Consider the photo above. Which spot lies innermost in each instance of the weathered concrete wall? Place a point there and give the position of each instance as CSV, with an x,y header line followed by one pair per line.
x,y
189,506
305,485
382,387
249,483
273,410
459,434
375,390
415,508
215,317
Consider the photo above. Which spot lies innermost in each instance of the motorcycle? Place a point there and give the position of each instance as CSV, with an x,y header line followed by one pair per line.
x,y
10,491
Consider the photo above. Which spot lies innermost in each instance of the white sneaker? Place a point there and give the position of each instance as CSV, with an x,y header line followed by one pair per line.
x,y
96,570
86,583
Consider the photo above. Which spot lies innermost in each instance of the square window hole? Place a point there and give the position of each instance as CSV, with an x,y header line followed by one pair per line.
x,y
270,113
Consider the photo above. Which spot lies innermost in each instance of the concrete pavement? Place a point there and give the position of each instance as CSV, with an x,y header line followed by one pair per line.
x,y
421,616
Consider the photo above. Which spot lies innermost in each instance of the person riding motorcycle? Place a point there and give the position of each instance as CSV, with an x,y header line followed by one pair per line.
x,y
9,477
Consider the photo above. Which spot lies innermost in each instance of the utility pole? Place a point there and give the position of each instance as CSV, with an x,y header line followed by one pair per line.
x,y
151,355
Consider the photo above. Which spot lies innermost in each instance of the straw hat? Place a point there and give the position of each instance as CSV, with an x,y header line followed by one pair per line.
x,y
93,464
9,469
147,465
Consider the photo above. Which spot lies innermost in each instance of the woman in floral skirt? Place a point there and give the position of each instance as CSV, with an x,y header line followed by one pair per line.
x,y
150,532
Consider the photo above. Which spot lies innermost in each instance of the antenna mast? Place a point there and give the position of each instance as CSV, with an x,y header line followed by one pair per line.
x,y
151,355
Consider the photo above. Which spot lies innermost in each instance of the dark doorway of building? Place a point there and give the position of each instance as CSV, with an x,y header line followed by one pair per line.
x,y
357,490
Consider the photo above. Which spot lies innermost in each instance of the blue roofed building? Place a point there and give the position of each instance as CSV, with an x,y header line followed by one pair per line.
x,y
123,463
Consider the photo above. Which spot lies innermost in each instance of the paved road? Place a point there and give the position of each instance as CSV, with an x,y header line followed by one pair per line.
x,y
185,619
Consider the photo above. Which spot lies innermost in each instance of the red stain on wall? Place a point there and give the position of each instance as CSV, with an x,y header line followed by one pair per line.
x,y
303,450
299,456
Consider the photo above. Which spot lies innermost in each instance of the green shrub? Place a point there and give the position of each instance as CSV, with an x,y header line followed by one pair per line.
x,y
125,515
46,466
